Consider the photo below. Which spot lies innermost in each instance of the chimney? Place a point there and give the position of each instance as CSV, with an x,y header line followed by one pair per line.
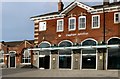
x,y
60,6
105,2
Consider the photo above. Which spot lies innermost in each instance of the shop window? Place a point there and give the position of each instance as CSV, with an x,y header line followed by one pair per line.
x,y
26,58
114,58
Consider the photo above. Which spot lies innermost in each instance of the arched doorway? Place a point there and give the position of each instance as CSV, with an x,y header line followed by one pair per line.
x,y
44,56
88,55
12,59
114,54
65,56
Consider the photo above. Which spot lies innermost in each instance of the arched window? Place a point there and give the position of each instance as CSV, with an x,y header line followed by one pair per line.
x,y
1,56
65,44
26,56
114,41
89,43
89,55
114,54
44,45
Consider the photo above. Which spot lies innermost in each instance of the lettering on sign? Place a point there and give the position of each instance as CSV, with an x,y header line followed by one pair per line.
x,y
78,34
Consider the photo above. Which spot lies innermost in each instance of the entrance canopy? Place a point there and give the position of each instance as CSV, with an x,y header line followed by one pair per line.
x,y
77,47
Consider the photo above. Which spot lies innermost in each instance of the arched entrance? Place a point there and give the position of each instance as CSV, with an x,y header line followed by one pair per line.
x,y
65,56
88,55
44,56
12,59
114,54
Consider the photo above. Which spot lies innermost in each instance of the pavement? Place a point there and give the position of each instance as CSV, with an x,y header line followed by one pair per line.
x,y
73,74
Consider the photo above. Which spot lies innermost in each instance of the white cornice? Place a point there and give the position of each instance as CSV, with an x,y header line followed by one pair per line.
x,y
106,9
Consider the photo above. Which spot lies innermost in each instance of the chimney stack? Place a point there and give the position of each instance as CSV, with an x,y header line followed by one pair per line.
x,y
105,2
60,6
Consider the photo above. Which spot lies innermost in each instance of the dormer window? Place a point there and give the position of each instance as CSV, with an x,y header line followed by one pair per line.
x,y
42,26
60,25
117,17
82,22
95,21
72,24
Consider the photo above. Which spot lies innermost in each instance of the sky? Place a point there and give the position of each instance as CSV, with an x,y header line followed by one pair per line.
x,y
15,23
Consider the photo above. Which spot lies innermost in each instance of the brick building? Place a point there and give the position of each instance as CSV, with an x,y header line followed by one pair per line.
x,y
15,54
78,36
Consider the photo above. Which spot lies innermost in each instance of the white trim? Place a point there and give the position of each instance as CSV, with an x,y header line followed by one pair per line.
x,y
61,26
76,3
98,21
79,22
65,40
15,59
74,24
118,17
106,9
89,39
111,38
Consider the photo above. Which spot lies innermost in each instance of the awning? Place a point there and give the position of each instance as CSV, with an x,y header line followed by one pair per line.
x,y
77,47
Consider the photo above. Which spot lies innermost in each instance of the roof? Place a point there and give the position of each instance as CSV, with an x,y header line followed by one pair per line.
x,y
16,43
110,5
52,13
95,7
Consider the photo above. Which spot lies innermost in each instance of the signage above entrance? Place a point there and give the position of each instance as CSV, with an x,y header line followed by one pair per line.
x,y
77,34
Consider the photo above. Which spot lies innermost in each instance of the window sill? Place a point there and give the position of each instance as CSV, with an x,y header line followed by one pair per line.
x,y
116,22
25,63
95,27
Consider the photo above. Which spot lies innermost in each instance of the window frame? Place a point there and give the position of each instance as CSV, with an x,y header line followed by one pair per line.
x,y
24,58
79,22
74,24
118,17
62,26
98,21
42,26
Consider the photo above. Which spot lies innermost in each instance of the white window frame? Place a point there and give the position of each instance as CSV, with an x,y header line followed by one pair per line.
x,y
23,57
98,21
42,26
62,26
79,23
74,24
2,51
118,17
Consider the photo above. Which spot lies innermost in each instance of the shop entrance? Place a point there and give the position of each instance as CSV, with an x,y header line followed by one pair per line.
x,y
89,59
44,62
